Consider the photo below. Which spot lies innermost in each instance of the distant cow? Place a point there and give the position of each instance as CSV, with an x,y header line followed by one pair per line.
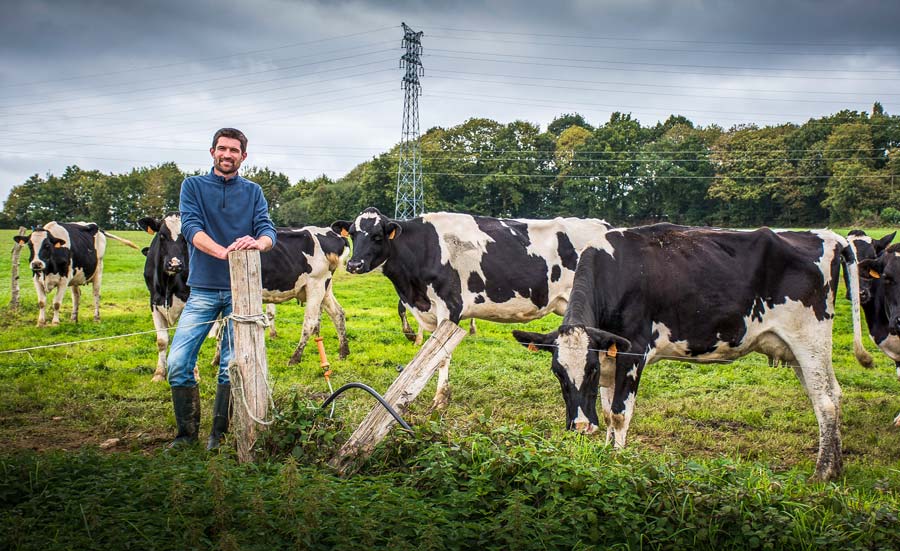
x,y
701,295
873,297
458,266
67,255
165,273
300,266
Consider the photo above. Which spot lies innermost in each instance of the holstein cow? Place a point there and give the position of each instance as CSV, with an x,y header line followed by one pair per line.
x,y
701,295
165,273
67,255
875,294
458,266
300,266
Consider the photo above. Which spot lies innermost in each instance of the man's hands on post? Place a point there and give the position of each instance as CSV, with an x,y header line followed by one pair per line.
x,y
264,243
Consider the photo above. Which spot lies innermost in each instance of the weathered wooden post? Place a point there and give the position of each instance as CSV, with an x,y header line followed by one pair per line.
x,y
249,372
401,393
14,279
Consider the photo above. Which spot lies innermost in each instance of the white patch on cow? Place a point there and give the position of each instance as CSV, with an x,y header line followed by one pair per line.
x,y
375,218
891,347
633,373
621,421
173,223
572,354
830,241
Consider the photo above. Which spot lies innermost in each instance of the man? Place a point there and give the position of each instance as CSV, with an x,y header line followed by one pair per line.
x,y
220,212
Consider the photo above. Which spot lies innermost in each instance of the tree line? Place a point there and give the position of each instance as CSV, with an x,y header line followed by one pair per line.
x,y
838,169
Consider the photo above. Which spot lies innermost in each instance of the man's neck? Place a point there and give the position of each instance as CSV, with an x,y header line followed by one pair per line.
x,y
228,176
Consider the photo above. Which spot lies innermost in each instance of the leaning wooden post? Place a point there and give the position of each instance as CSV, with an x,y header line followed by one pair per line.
x,y
401,393
14,279
249,368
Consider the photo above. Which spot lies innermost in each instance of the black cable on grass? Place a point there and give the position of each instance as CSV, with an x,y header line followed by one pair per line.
x,y
377,396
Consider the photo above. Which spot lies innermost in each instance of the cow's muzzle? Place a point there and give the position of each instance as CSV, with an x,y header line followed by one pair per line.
x,y
585,427
355,266
37,266
173,268
894,327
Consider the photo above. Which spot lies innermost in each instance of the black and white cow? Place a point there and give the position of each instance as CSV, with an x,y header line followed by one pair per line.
x,y
702,295
67,255
458,266
165,273
300,267
875,292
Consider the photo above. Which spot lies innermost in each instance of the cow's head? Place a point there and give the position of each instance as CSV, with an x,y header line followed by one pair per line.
x,y
577,351
372,233
45,250
868,248
885,269
169,248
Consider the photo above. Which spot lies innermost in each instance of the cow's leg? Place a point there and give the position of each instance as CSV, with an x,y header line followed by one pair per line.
x,y
472,326
270,316
628,375
404,322
98,279
315,294
76,301
336,313
42,301
161,324
607,391
58,298
816,375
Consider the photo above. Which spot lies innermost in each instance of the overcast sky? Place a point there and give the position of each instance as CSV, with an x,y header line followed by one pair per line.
x,y
112,84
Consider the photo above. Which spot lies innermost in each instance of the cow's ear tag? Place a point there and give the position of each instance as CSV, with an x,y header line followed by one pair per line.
x,y
612,351
532,347
344,232
874,274
57,245
393,234
150,231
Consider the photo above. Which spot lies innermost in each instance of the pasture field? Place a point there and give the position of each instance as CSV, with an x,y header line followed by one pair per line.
x,y
718,455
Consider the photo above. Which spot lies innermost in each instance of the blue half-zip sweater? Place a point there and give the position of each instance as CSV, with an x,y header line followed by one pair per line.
x,y
225,210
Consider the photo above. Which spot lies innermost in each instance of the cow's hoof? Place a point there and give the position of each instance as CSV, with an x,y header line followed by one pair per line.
x,y
54,323
158,378
344,352
897,420
411,337
273,334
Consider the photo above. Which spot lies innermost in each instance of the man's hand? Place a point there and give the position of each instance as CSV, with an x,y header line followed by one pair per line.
x,y
249,243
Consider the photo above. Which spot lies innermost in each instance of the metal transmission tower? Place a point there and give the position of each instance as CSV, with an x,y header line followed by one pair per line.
x,y
409,173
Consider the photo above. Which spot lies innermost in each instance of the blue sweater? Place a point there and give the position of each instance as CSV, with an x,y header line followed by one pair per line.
x,y
225,210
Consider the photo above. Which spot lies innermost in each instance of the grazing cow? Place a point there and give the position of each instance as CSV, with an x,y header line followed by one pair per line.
x,y
458,266
701,295
67,255
300,266
165,273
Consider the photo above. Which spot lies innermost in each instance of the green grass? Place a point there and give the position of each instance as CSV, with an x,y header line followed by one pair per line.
x,y
718,454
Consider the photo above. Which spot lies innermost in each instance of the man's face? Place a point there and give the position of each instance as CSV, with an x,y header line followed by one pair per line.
x,y
227,156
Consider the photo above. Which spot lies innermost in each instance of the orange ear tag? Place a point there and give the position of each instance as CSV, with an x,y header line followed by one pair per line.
x,y
344,232
532,347
57,246
393,234
874,274
150,231
612,351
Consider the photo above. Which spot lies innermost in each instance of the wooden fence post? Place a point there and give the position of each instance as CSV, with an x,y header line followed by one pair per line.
x,y
401,393
250,369
14,279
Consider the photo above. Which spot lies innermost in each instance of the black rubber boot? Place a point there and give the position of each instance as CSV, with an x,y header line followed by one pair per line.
x,y
221,415
186,402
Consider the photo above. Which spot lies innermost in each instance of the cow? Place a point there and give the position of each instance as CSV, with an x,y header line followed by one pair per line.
x,y
165,273
300,266
701,295
458,266
66,255
874,296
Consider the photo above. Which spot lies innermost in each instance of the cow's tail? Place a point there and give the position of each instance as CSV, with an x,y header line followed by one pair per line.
x,y
851,269
126,242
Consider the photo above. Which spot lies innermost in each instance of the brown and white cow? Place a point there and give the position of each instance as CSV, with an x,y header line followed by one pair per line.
x,y
454,266
66,255
701,295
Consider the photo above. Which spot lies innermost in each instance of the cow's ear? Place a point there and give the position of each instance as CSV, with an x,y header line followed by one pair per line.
x,y
882,244
145,250
604,340
536,341
20,239
871,268
149,224
341,227
393,229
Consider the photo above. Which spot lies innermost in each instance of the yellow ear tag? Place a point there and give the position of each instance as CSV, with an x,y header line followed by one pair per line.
x,y
532,347
874,274
612,351
344,232
57,246
150,231
393,234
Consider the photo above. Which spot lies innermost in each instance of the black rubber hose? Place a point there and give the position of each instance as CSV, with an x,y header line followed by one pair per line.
x,y
377,396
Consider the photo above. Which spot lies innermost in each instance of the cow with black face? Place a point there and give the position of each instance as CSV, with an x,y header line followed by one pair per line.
x,y
458,266
700,295
66,255
165,273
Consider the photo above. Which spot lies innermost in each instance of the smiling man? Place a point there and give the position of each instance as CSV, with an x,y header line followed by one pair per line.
x,y
220,212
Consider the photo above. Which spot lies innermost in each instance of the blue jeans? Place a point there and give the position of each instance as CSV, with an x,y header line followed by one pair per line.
x,y
203,306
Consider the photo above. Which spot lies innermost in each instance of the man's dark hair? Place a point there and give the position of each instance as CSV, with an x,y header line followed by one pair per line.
x,y
232,133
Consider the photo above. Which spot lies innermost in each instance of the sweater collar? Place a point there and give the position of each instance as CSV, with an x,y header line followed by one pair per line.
x,y
221,180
